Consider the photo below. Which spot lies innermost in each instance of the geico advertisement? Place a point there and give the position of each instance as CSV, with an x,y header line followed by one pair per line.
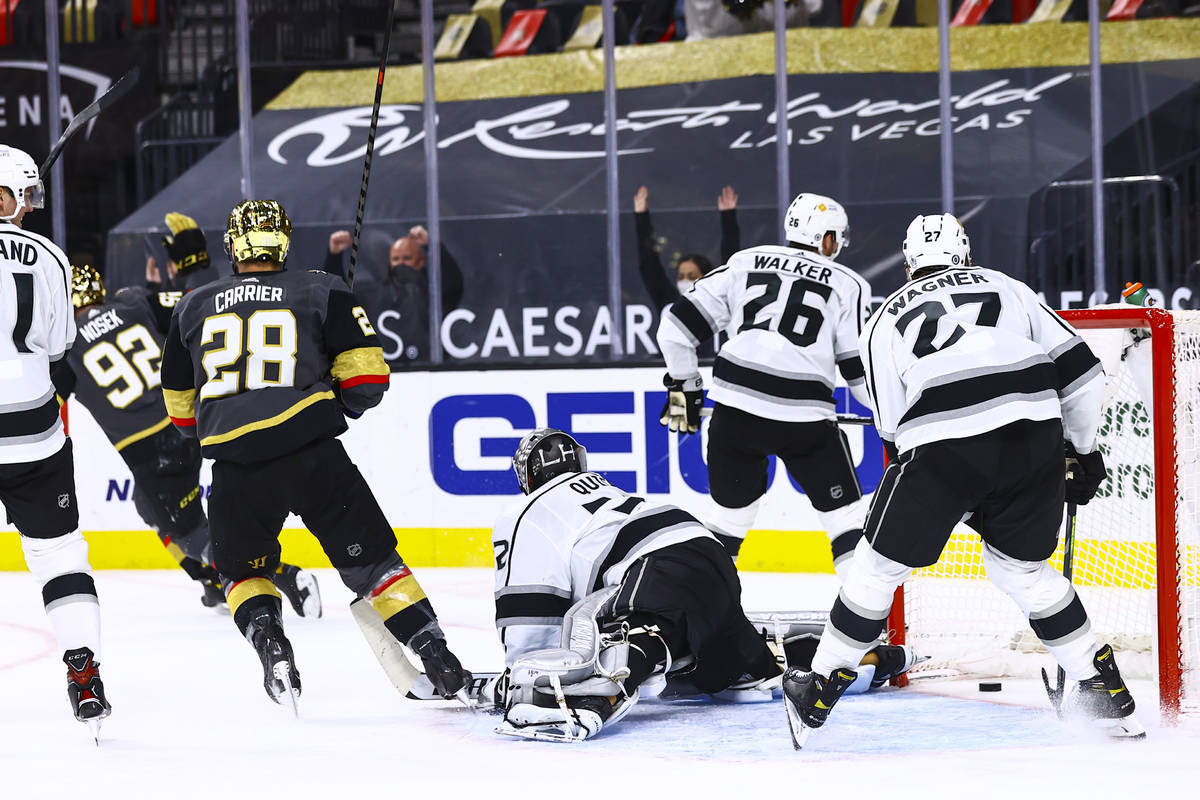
x,y
437,451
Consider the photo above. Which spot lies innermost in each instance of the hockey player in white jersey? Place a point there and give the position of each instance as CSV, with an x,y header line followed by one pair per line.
x,y
976,386
597,590
792,315
671,591
37,474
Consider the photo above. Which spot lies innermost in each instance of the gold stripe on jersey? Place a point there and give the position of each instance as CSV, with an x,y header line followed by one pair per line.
x,y
142,434
396,595
251,587
269,422
358,362
181,403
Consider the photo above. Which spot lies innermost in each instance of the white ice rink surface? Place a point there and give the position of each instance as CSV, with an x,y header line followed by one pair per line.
x,y
190,720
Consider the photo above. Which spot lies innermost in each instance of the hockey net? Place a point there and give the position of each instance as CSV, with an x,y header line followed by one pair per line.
x,y
1137,544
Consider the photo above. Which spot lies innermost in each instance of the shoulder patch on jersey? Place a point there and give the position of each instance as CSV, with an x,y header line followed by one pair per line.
x,y
169,299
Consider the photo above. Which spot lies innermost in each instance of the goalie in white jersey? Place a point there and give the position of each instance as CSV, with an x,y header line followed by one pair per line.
x,y
37,473
597,590
976,386
792,315
672,591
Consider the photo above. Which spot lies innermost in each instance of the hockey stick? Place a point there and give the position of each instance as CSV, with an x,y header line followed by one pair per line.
x,y
1058,692
366,176
106,100
842,419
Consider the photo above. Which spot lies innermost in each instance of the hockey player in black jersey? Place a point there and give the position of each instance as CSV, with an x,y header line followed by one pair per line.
x,y
597,590
977,388
114,372
793,317
263,367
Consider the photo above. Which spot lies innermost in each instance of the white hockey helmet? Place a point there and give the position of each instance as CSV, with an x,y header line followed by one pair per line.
x,y
811,216
19,174
935,240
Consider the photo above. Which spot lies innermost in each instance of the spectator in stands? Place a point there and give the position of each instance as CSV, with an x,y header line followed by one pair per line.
x,y
708,19
690,266
398,306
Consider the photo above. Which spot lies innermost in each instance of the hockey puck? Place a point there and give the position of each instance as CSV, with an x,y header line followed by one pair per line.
x,y
989,687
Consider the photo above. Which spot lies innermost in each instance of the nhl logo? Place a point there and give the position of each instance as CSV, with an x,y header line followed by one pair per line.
x,y
64,500
354,549
836,492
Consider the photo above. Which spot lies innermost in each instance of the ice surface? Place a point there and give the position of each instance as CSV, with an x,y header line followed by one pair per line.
x,y
191,720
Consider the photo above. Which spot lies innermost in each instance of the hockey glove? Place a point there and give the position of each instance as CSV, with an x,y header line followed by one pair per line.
x,y
348,412
1085,473
185,244
685,398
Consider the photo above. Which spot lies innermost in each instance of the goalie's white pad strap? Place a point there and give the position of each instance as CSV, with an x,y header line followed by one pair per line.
x,y
389,652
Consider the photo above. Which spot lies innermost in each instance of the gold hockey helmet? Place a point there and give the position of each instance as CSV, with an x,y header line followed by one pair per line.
x,y
87,287
258,230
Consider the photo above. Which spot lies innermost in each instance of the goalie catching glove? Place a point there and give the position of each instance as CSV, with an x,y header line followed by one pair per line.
x,y
1085,473
685,398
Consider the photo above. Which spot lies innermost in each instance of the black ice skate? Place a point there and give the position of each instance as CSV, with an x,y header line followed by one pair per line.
x,y
214,592
281,679
894,659
300,588
1105,700
442,667
85,689
809,697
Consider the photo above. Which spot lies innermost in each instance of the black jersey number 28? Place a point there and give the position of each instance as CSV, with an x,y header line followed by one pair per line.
x,y
793,307
934,310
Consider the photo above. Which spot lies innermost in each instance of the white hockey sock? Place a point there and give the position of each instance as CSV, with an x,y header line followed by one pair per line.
x,y
730,525
68,591
844,527
1049,602
860,611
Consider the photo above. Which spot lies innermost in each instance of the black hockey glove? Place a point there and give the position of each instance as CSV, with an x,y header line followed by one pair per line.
x,y
1085,473
685,398
346,410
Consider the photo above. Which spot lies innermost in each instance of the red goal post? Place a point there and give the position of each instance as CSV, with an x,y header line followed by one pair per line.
x,y
1174,350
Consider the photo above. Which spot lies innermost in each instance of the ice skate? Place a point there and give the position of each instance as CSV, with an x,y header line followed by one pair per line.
x,y
301,589
442,667
1105,700
809,697
894,659
281,679
86,690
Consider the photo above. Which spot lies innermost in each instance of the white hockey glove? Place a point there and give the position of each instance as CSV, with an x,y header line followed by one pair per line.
x,y
685,398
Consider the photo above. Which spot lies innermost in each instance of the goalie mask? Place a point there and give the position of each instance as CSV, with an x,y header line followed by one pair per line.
x,y
544,454
19,174
935,240
810,217
87,287
258,230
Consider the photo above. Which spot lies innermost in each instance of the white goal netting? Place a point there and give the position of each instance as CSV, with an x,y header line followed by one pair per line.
x,y
969,628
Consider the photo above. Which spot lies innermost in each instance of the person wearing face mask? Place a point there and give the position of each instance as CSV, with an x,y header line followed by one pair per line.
x,y
691,266
398,306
